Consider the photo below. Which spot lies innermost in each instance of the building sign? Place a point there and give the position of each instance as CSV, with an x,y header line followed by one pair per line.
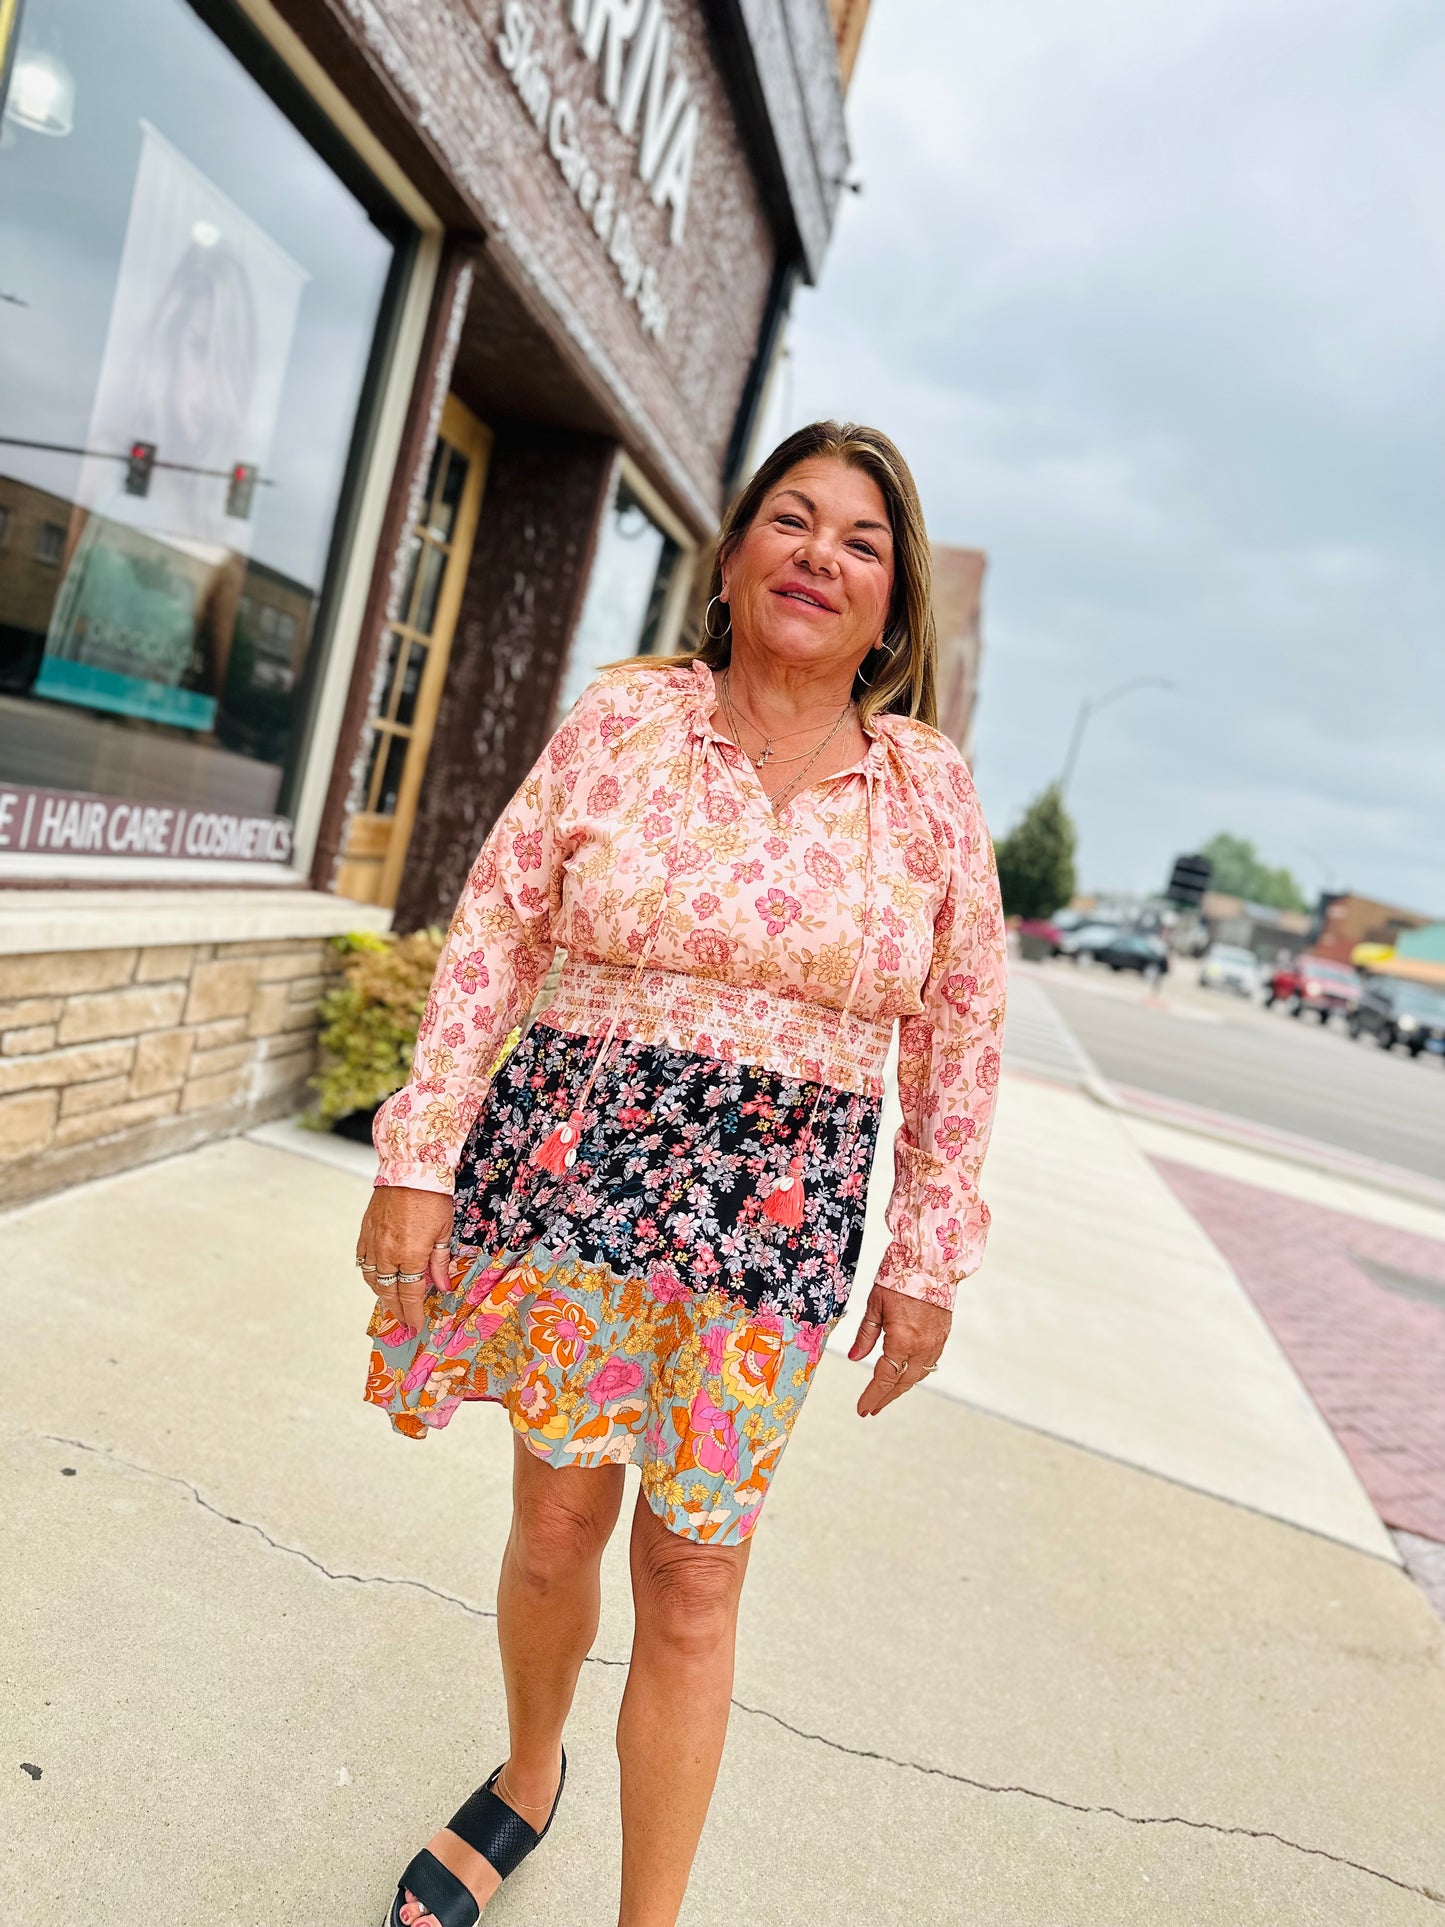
x,y
76,823
629,42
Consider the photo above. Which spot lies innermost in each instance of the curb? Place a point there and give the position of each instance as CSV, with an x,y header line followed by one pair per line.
x,y
1309,1153
1306,1152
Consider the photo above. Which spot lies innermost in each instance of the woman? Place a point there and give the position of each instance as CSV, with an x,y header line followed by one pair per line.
x,y
639,1235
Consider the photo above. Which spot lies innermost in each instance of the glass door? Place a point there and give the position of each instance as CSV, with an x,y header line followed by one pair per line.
x,y
418,644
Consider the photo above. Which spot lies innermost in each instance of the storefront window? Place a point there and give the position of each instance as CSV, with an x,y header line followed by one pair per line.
x,y
193,300
628,595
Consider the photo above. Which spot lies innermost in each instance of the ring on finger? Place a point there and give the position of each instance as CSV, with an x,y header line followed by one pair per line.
x,y
387,1277
900,1365
445,1247
410,1277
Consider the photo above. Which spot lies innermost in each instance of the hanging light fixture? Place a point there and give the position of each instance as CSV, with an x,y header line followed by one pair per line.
x,y
41,95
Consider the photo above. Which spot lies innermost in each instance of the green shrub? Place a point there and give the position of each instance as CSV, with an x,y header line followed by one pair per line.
x,y
369,1022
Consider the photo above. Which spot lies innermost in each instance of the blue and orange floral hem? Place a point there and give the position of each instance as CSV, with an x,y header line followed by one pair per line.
x,y
596,1369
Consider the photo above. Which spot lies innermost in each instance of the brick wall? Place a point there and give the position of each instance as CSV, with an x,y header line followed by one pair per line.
x,y
112,1057
546,490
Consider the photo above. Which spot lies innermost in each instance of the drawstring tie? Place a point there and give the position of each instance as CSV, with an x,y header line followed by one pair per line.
x,y
558,1153
784,1202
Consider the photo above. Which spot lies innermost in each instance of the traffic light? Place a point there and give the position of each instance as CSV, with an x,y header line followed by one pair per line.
x,y
240,490
1189,879
139,461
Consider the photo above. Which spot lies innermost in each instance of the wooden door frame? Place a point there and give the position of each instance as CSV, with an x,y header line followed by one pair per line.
x,y
461,428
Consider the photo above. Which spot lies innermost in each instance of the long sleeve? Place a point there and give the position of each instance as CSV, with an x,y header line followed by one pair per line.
x,y
948,1068
497,952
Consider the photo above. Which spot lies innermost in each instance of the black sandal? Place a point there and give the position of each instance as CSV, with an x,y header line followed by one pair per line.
x,y
491,1828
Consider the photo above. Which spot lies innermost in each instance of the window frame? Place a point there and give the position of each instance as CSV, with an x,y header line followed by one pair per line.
x,y
278,62
679,589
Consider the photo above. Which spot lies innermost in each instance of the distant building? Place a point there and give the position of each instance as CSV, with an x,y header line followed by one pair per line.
x,y
34,523
1343,921
1419,956
848,19
1254,926
958,609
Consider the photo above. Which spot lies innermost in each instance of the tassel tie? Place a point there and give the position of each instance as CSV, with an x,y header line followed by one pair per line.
x,y
784,1203
559,1153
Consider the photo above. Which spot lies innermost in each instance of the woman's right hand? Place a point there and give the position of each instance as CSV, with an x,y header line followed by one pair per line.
x,y
405,1231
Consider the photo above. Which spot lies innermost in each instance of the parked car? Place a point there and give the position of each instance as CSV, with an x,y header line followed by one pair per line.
x,y
1038,937
1313,983
1134,950
1044,936
1227,966
1395,1011
1084,942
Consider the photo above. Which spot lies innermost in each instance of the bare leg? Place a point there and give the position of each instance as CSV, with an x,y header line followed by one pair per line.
x,y
675,1709
548,1600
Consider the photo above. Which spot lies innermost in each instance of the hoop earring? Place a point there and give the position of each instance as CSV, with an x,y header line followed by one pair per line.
x,y
887,662
706,622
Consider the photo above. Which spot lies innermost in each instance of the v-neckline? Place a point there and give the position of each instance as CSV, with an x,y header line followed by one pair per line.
x,y
714,699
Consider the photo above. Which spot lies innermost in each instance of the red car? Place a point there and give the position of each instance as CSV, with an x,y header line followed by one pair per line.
x,y
1313,983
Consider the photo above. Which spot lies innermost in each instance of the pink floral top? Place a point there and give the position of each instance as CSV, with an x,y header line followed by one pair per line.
x,y
699,919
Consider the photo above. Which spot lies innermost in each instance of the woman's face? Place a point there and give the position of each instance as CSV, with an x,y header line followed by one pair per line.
x,y
193,402
810,582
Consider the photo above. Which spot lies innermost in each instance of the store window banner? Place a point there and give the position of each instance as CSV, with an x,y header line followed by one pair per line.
x,y
195,357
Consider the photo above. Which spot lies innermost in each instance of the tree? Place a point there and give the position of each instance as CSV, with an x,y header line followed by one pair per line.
x,y
1036,858
1239,871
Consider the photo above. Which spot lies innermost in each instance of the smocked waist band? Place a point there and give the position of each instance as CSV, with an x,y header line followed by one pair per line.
x,y
728,1021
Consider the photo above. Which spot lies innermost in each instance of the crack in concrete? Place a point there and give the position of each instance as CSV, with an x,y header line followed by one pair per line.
x,y
1078,1806
277,1545
742,1706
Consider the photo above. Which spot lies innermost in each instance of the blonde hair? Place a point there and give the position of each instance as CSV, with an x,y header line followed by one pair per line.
x,y
901,675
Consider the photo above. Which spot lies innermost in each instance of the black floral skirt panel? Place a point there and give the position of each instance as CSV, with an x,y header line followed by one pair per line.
x,y
677,1156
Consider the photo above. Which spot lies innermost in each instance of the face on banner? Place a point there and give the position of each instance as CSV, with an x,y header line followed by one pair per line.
x,y
195,357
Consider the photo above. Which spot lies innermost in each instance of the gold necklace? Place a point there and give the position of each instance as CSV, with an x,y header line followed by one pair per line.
x,y
789,790
767,754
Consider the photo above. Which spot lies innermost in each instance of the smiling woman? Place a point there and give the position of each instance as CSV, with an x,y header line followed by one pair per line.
x,y
881,525
637,1236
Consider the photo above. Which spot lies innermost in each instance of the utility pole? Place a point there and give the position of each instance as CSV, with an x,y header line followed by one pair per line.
x,y
1087,709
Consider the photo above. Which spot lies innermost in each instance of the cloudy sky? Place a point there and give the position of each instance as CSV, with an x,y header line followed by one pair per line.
x,y
1153,298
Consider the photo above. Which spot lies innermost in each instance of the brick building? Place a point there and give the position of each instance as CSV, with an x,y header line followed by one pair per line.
x,y
373,373
1344,920
958,609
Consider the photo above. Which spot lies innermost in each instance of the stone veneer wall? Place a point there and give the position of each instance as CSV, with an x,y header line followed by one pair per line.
x,y
112,1057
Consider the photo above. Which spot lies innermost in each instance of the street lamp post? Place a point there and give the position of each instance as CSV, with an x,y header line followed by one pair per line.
x,y
1086,710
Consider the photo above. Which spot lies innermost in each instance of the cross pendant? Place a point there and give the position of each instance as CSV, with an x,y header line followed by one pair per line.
x,y
762,756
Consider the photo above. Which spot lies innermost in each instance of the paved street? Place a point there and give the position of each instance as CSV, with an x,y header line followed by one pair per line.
x,y
1214,1050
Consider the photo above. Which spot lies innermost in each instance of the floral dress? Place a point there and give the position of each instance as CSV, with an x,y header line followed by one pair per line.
x,y
652,1291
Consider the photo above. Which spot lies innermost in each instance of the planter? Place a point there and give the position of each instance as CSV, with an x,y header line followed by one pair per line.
x,y
356,1125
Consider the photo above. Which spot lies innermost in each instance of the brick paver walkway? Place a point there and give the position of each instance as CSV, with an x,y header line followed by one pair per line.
x,y
1359,1310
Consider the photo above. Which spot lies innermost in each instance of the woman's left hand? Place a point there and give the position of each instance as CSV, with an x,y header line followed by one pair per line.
x,y
913,1333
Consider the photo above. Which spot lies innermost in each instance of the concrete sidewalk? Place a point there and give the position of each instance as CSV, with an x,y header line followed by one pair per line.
x,y
1101,1632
